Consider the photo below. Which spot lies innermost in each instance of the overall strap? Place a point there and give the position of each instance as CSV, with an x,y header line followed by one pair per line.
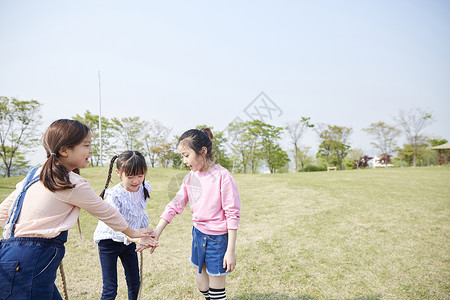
x,y
17,205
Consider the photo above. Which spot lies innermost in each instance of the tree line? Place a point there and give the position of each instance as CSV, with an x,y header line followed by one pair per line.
x,y
246,147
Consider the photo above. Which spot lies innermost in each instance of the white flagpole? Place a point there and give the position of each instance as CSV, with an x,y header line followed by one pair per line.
x,y
100,118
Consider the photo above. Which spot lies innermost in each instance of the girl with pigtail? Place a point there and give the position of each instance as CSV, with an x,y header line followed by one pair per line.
x,y
215,205
130,197
36,216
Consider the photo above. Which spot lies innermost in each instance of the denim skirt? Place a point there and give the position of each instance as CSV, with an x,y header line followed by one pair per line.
x,y
210,250
28,267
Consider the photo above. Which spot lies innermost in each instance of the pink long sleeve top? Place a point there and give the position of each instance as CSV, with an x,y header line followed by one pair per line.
x,y
45,213
213,199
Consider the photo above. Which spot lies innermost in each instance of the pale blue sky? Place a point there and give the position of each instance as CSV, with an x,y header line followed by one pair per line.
x,y
186,63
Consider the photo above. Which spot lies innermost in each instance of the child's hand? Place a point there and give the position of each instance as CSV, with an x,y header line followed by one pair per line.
x,y
157,234
229,261
158,230
146,242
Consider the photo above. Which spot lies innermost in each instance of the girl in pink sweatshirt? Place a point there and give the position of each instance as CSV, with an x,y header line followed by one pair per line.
x,y
215,205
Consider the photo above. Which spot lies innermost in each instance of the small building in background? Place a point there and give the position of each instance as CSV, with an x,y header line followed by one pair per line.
x,y
377,162
443,153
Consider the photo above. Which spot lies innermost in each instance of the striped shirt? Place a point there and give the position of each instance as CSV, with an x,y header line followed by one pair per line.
x,y
132,207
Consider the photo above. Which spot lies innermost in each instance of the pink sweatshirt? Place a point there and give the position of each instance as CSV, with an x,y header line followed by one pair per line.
x,y
213,198
45,213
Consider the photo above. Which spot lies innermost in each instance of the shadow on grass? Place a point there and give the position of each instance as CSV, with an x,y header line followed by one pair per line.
x,y
300,297
271,296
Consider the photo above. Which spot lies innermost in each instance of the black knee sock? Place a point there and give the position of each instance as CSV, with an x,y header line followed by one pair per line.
x,y
217,294
206,294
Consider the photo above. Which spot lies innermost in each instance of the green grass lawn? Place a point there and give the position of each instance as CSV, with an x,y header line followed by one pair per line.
x,y
366,234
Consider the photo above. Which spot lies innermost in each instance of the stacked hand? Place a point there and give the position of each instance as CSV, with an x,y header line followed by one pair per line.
x,y
146,240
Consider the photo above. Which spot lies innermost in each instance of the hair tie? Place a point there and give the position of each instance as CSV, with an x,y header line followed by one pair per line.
x,y
53,154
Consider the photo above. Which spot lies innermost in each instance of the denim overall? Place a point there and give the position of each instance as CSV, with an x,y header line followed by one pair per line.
x,y
28,265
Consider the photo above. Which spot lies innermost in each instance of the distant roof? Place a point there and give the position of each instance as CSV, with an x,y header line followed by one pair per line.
x,y
445,146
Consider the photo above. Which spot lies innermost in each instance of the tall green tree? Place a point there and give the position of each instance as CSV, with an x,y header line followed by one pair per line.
x,y
130,132
326,142
243,144
156,134
108,148
166,153
19,121
411,155
413,122
341,136
251,140
256,142
221,155
20,165
304,158
295,131
334,143
276,158
384,135
272,153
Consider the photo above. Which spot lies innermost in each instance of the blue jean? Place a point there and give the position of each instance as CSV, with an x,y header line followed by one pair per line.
x,y
109,251
210,250
28,267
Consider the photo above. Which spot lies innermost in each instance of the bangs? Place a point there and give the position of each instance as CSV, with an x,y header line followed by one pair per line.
x,y
185,143
134,166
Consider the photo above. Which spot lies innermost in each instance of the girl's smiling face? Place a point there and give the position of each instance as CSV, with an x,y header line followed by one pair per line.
x,y
131,182
191,159
77,156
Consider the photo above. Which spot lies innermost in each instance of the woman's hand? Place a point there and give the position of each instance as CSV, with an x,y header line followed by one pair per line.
x,y
133,234
147,231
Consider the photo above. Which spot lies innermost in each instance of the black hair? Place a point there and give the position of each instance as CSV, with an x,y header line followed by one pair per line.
x,y
197,139
61,133
131,163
